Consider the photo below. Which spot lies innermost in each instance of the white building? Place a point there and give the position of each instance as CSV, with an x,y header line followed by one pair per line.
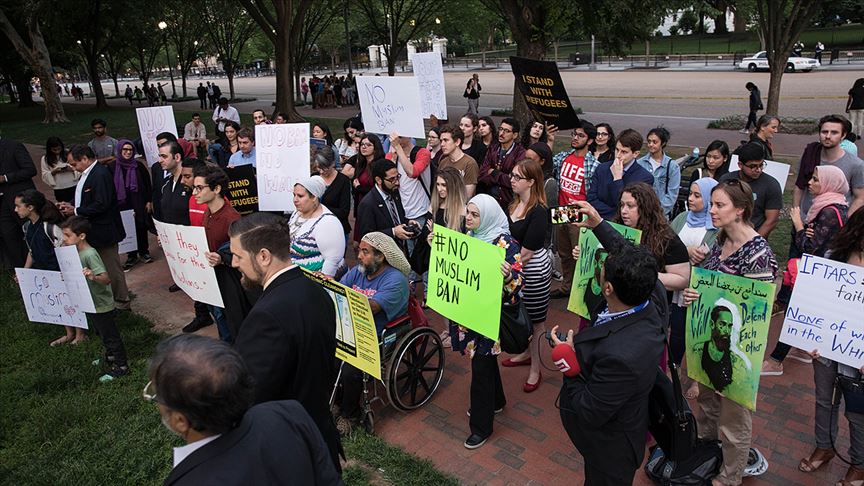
x,y
671,20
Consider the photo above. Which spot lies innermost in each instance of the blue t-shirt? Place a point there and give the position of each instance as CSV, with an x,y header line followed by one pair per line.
x,y
389,289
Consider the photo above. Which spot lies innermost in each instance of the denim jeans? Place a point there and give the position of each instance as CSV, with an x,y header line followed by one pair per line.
x,y
221,323
827,415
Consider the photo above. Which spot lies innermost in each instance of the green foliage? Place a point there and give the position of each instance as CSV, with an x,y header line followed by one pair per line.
x,y
688,22
395,464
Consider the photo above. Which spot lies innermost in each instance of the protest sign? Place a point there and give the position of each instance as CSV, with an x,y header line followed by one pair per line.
x,y
391,105
74,279
543,90
825,310
429,73
465,280
152,122
282,153
726,333
130,243
356,337
184,248
778,170
585,292
47,299
243,189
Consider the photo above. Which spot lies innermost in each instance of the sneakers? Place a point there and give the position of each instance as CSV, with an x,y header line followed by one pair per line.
x,y
196,324
474,441
744,131
756,463
113,372
131,262
146,258
771,368
468,412
799,355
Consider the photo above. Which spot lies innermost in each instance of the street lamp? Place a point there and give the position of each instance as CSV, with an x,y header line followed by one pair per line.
x,y
162,27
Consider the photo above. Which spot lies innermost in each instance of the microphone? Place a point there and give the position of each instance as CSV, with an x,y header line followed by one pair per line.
x,y
564,357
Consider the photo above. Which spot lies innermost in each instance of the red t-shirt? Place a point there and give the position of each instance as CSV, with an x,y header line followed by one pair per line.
x,y
572,181
196,212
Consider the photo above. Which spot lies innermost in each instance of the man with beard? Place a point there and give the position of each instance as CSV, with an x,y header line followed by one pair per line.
x,y
381,209
204,394
288,340
382,277
718,361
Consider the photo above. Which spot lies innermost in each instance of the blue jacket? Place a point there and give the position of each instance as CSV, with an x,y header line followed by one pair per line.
x,y
604,193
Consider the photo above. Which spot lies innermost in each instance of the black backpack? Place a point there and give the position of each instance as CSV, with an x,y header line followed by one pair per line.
x,y
680,457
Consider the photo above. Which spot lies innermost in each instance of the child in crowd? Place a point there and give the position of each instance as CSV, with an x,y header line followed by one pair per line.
x,y
75,231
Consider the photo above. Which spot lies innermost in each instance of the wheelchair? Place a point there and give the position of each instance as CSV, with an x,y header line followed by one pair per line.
x,y
412,361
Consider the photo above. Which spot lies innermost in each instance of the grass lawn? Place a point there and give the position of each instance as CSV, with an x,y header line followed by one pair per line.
x,y
59,425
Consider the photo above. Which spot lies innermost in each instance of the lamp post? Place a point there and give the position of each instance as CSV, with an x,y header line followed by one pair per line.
x,y
162,27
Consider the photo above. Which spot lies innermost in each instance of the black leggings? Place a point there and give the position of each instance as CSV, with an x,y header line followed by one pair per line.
x,y
751,120
487,393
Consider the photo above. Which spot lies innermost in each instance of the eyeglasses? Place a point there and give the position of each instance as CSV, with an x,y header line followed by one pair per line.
x,y
504,130
602,134
755,166
517,177
149,393
579,135
199,188
366,144
432,138
393,179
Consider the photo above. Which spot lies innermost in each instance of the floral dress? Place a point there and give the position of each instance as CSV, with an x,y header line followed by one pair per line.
x,y
467,341
753,260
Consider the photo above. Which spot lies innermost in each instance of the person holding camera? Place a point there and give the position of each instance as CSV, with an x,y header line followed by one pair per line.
x,y
381,209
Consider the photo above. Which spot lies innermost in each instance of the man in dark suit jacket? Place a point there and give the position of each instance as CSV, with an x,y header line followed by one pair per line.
x,y
204,392
16,175
96,200
381,209
288,340
610,178
604,407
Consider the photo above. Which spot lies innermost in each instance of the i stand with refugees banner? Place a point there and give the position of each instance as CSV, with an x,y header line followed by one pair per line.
x,y
184,248
465,281
726,333
243,189
543,90
356,337
585,292
825,311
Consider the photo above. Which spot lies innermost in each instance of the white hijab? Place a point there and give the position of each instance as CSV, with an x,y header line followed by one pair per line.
x,y
493,221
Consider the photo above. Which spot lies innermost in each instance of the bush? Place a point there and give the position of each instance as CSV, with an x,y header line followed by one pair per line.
x,y
791,125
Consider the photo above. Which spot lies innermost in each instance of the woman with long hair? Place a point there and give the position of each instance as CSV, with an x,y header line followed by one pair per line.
x,y
337,196
667,174
448,201
604,143
471,143
486,130
57,173
529,221
221,153
738,250
539,132
486,221
359,167
847,246
345,145
827,215
322,132
715,162
766,128
433,144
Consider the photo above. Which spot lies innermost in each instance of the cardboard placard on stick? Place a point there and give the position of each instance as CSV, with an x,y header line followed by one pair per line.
x,y
543,90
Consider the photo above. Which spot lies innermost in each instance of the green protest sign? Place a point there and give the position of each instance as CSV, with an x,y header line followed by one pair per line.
x,y
726,333
585,292
465,281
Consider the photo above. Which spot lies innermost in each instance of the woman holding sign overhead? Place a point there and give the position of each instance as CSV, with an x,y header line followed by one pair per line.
x,y
486,221
738,250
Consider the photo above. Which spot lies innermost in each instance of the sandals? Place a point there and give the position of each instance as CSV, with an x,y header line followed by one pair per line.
x,y
692,392
818,458
854,477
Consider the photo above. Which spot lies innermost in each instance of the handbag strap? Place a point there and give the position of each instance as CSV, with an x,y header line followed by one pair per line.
x,y
837,211
677,395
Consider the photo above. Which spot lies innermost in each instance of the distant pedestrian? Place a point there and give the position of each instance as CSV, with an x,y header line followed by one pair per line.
x,y
755,105
202,96
210,96
128,95
162,97
472,93
855,107
138,94
820,47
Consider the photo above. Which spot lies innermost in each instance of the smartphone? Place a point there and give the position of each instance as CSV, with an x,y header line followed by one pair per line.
x,y
565,215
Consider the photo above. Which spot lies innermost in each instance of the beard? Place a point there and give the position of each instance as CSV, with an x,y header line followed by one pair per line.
x,y
721,341
370,269
255,281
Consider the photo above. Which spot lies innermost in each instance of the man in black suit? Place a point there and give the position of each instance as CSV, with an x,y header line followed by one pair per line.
x,y
96,200
381,209
288,340
204,393
16,175
604,407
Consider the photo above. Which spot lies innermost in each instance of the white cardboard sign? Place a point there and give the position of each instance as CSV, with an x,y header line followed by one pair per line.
x,y
152,122
184,248
73,277
429,72
130,243
282,159
47,299
391,104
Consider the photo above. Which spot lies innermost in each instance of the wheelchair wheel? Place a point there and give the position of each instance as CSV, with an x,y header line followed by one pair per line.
x,y
415,369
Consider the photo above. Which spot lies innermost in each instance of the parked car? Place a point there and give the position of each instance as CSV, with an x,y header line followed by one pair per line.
x,y
759,62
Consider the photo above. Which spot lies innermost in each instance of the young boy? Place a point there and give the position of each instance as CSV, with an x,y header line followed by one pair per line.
x,y
75,231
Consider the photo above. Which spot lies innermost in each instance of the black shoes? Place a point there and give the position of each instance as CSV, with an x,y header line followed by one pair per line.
x,y
558,294
146,258
131,262
173,288
474,441
196,324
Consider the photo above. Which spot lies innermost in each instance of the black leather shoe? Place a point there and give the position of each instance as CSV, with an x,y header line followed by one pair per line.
x,y
195,325
474,441
173,288
558,294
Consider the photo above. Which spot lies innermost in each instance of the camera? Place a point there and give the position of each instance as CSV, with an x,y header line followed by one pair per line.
x,y
412,228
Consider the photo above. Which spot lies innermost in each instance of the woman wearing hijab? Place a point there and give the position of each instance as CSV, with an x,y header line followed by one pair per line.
x,y
317,236
826,216
486,221
696,231
134,191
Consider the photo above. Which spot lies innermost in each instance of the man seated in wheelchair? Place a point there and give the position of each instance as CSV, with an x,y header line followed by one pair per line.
x,y
381,276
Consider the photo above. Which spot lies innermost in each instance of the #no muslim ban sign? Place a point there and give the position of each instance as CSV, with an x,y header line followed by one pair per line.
x,y
152,122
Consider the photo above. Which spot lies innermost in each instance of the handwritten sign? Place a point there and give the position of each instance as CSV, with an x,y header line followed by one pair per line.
x,y
778,170
391,105
47,299
356,337
825,311
152,122
429,73
282,153
130,243
74,279
465,281
184,248
726,333
543,90
585,294
243,189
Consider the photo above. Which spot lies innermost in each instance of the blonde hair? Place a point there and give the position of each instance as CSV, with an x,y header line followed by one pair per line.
x,y
456,199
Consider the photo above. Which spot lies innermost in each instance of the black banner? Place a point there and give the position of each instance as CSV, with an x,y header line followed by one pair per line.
x,y
543,91
243,189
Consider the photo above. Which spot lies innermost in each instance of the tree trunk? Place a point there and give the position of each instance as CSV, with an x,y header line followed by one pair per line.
x,y
391,63
13,99
285,76
183,78
297,91
739,22
720,24
777,70
116,86
96,85
230,75
25,96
